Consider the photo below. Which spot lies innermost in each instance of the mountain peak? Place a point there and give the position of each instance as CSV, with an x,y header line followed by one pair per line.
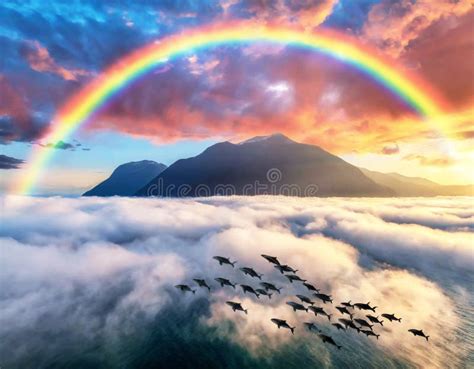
x,y
273,138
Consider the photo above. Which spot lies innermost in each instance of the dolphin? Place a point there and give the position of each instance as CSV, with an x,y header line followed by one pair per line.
x,y
225,282
185,288
363,323
251,272
261,291
282,323
375,319
236,306
296,306
202,283
271,259
367,306
370,333
270,286
348,304
306,299
327,339
310,287
419,332
222,260
338,326
343,310
294,277
311,326
323,297
285,269
344,321
317,310
249,289
392,317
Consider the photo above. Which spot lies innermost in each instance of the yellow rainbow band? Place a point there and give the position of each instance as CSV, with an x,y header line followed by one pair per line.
x,y
410,89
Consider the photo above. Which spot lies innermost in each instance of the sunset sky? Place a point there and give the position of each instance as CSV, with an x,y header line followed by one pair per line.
x,y
52,49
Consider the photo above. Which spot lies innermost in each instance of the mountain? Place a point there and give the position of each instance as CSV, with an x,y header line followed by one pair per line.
x,y
415,186
263,165
127,179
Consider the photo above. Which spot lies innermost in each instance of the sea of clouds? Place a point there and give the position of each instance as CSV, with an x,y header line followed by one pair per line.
x,y
88,282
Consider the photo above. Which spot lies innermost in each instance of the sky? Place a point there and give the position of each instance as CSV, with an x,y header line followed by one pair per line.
x,y
52,49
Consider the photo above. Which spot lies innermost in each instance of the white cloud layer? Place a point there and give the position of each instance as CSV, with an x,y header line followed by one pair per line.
x,y
93,267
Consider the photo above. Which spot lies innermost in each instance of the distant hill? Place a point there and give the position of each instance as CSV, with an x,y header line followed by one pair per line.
x,y
127,179
415,186
263,165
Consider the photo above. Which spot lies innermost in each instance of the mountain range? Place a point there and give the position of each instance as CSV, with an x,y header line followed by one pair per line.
x,y
274,165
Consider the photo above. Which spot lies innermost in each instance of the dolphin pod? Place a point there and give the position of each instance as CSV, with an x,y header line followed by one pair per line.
x,y
306,304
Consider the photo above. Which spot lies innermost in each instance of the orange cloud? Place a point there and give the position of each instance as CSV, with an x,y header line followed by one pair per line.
x,y
392,25
39,59
433,161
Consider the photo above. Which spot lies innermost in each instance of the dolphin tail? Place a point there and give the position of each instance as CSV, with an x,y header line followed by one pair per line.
x,y
233,263
399,320
427,338
351,315
279,290
373,309
233,286
339,347
259,276
377,336
258,295
270,296
292,329
381,323
246,311
330,300
306,309
329,316
209,288
294,309
193,291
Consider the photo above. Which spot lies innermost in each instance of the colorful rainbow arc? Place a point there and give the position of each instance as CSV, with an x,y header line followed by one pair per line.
x,y
416,93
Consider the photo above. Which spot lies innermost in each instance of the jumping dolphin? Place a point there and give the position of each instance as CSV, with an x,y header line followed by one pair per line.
x,y
222,260
296,306
343,310
270,286
184,288
285,269
323,297
363,323
294,277
306,299
310,287
225,282
375,319
249,289
419,332
319,311
271,259
236,306
261,291
392,317
350,324
348,304
327,339
202,283
251,272
370,333
311,326
367,306
282,323
338,326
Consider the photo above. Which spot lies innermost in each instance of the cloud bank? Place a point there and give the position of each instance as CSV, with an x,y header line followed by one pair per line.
x,y
89,282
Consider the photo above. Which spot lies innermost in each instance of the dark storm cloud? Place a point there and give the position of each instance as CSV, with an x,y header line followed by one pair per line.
x,y
7,162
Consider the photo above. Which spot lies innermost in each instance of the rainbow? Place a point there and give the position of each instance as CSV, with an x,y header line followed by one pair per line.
x,y
81,107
